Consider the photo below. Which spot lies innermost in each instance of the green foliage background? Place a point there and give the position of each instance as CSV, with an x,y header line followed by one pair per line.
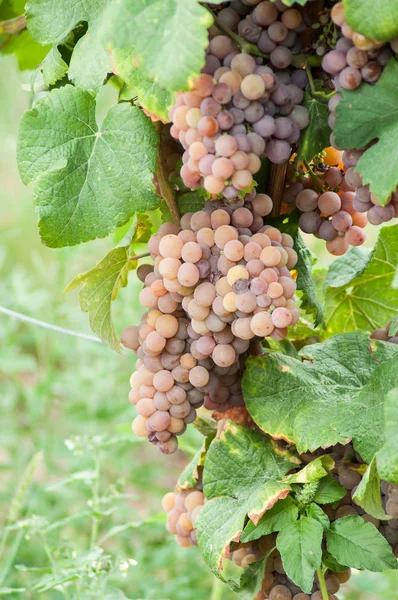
x,y
54,388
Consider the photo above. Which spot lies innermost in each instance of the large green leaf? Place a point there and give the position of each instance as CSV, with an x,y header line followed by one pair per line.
x,y
367,495
167,38
356,543
362,297
101,285
86,181
387,457
150,94
329,490
274,519
333,394
51,21
242,477
376,19
367,114
300,546
53,67
305,261
316,136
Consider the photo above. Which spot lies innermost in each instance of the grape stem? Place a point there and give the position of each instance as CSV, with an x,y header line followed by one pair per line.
x,y
138,256
243,44
13,26
321,96
322,584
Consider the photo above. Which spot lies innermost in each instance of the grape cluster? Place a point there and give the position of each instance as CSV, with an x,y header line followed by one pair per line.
x,y
355,57
364,201
331,213
182,508
238,111
219,283
272,26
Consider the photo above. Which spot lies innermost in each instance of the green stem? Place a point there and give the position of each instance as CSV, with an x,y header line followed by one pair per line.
x,y
94,519
53,564
217,589
314,178
13,26
322,584
240,42
310,79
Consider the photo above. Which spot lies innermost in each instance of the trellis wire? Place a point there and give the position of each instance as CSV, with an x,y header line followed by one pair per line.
x,y
32,321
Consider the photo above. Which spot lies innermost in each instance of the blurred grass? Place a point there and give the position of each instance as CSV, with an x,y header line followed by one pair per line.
x,y
55,387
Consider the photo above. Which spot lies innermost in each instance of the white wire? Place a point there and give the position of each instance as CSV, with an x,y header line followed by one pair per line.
x,y
21,317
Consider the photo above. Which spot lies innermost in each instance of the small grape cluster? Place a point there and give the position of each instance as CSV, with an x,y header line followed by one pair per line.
x,y
276,584
237,112
182,508
331,212
364,200
355,57
219,282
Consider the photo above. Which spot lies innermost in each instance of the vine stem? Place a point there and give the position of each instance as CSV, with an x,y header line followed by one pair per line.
x,y
217,589
94,519
322,584
53,564
13,26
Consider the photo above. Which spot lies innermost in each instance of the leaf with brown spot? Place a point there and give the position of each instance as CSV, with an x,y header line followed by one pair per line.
x,y
242,477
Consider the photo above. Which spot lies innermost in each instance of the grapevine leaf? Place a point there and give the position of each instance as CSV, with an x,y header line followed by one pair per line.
x,y
367,301
358,544
387,457
375,20
150,94
330,396
101,285
300,546
190,475
53,67
86,181
282,513
251,580
367,495
317,135
177,30
367,114
393,329
50,25
305,260
242,476
347,267
329,490
189,202
205,424
90,62
28,53
315,512
332,564
314,471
